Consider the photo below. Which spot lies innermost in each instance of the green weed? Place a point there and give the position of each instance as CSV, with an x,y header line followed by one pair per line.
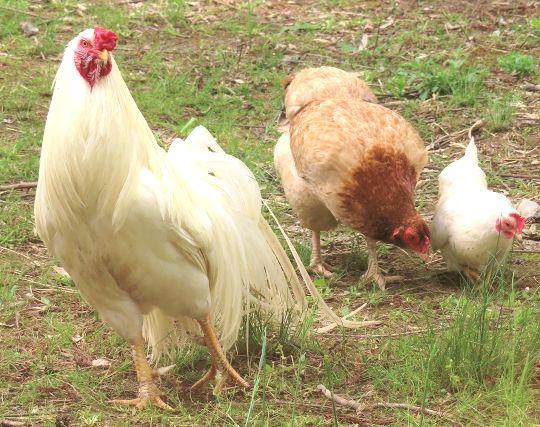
x,y
518,63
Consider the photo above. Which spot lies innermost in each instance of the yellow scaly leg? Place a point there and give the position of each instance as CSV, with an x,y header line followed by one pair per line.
x,y
148,392
221,368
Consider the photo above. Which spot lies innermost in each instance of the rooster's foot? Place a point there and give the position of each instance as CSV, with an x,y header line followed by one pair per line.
x,y
220,379
321,268
148,395
221,369
148,392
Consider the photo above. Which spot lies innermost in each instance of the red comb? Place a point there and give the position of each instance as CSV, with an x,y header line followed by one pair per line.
x,y
104,39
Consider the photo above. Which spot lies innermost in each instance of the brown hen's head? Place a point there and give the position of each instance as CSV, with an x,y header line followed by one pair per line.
x,y
414,235
92,58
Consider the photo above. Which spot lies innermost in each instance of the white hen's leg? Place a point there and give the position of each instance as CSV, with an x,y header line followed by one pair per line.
x,y
373,271
316,264
221,368
148,392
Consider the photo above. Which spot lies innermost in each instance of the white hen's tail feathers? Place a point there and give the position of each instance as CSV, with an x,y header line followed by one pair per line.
x,y
471,151
463,174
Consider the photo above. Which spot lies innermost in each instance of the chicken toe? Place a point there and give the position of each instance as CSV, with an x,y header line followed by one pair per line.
x,y
148,392
373,271
221,369
321,268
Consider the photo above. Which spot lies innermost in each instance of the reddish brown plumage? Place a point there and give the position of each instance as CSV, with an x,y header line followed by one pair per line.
x,y
362,160
352,160
383,171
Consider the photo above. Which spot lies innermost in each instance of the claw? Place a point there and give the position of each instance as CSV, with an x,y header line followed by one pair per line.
x,y
221,369
148,392
321,268
143,402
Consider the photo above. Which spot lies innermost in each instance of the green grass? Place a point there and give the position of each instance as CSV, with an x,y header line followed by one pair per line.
x,y
471,352
517,63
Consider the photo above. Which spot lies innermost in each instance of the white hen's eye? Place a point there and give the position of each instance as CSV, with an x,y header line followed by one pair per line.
x,y
84,43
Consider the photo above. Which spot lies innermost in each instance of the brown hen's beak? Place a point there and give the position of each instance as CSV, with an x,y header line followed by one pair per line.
x,y
104,55
424,257
519,237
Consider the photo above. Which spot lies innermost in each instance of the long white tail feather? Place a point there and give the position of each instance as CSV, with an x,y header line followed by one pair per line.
x,y
326,311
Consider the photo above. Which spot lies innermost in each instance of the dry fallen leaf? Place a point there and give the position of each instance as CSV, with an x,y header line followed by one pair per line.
x,y
101,363
76,338
364,42
389,22
29,29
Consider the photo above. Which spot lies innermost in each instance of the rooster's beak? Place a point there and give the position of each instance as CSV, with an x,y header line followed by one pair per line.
x,y
104,55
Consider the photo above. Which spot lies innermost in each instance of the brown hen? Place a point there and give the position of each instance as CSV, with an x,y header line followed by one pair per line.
x,y
350,161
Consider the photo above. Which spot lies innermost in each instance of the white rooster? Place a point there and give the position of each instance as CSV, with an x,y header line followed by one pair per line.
x,y
165,246
472,226
161,245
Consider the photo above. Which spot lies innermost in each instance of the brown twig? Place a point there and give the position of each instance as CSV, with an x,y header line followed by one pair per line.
x,y
358,407
6,325
531,87
3,248
19,185
443,140
412,408
11,423
23,12
476,125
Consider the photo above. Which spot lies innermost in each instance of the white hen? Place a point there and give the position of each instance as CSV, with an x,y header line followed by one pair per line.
x,y
472,226
165,245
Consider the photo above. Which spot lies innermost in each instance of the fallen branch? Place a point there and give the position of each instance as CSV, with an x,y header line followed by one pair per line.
x,y
443,140
19,185
531,87
11,423
5,325
358,407
412,408
476,125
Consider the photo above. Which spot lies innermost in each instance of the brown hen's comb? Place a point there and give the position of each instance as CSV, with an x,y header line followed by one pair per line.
x,y
104,39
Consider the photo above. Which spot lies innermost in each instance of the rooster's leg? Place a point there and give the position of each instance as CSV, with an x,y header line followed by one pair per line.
x,y
221,368
373,271
148,392
316,264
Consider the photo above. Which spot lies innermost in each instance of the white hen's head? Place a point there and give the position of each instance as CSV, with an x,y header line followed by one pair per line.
x,y
92,53
510,225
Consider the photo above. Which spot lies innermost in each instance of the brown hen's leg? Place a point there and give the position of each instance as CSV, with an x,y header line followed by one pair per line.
x,y
373,271
316,264
471,274
148,392
221,368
